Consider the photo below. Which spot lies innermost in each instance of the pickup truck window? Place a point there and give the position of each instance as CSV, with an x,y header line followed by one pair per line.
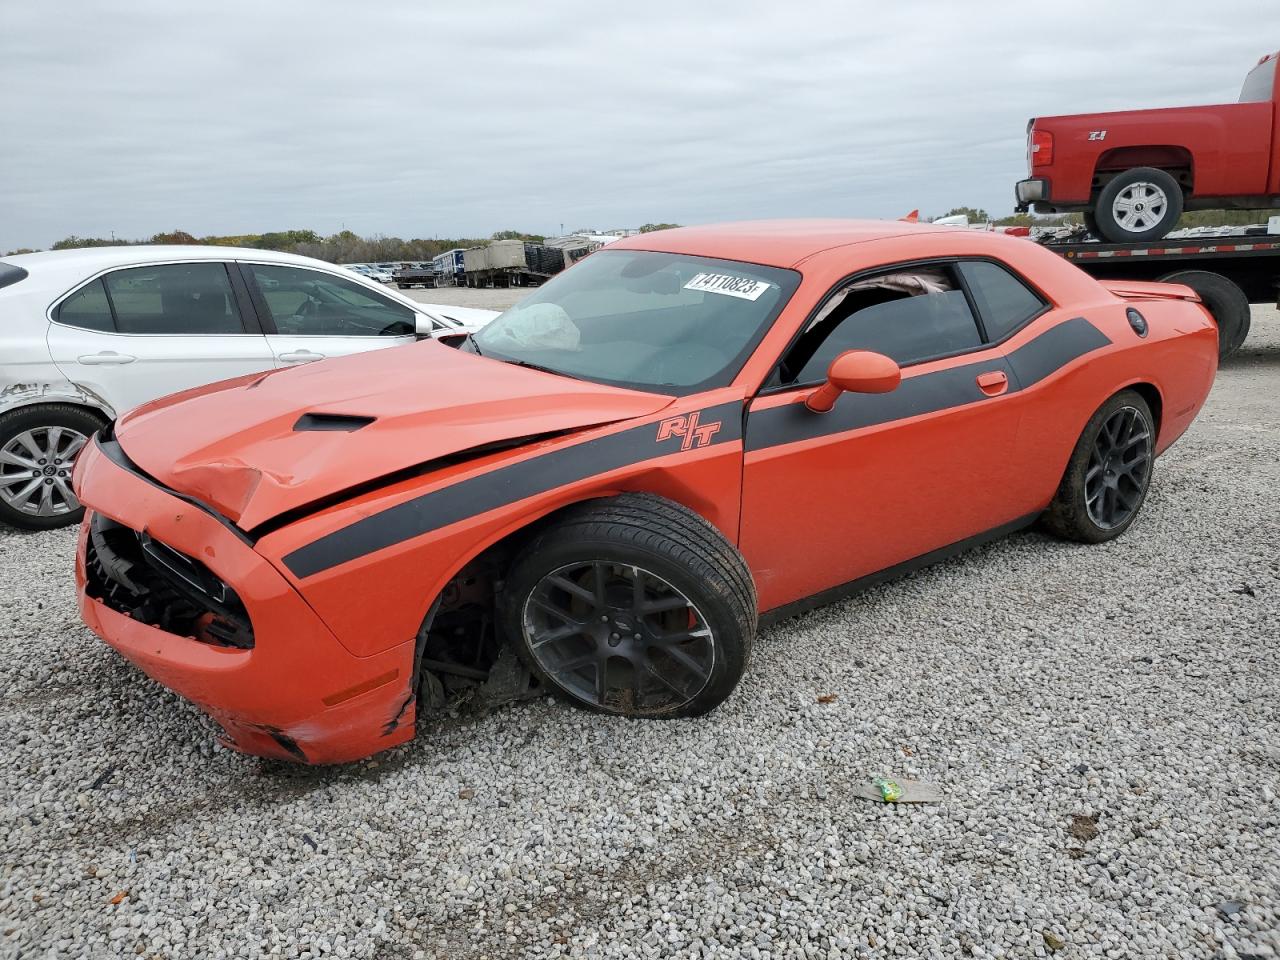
x,y
1260,82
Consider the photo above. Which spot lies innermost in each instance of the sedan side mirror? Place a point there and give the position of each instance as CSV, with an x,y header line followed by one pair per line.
x,y
855,371
425,326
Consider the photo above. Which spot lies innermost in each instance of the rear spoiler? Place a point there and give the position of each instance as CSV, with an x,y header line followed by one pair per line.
x,y
1143,290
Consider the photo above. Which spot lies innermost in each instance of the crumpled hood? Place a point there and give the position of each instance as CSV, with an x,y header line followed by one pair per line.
x,y
236,446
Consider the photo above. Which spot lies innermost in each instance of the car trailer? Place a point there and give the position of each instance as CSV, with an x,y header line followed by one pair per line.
x,y
1228,272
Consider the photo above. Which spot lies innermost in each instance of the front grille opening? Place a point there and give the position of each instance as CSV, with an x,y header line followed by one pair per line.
x,y
136,575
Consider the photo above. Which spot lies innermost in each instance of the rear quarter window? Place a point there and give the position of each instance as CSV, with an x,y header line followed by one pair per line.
x,y
9,274
1004,302
88,309
1260,82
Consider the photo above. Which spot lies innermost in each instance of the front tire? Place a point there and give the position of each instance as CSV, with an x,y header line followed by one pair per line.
x,y
38,448
632,605
1108,475
1138,205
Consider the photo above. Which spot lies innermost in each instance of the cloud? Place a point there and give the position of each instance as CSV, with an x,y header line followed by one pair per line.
x,y
421,119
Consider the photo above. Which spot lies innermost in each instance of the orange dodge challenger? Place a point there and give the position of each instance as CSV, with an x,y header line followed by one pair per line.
x,y
612,484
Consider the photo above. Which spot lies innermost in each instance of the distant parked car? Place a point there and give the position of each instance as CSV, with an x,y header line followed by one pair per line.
x,y
88,334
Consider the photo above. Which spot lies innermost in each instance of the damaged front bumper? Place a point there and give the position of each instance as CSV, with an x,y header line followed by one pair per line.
x,y
258,660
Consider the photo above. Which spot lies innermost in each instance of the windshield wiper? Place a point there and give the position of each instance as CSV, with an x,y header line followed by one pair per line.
x,y
534,366
471,339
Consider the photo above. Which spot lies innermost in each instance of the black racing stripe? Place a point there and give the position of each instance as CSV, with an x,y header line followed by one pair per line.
x,y
927,393
528,478
1054,349
915,395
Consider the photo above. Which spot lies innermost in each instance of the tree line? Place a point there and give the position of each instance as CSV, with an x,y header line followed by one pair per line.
x,y
342,247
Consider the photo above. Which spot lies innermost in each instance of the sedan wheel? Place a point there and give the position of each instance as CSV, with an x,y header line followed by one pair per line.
x,y
35,471
38,450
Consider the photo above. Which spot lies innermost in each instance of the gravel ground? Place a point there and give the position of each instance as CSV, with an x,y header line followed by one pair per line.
x,y
497,298
1103,722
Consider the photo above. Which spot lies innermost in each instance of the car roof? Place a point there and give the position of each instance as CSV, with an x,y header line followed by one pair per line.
x,y
55,272
776,243
60,269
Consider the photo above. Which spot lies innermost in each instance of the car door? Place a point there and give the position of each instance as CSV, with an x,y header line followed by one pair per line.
x,y
881,479
137,333
310,314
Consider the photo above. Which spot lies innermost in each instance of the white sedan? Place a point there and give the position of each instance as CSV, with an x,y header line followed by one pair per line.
x,y
88,334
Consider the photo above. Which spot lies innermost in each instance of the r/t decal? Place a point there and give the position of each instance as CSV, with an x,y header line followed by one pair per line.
x,y
692,433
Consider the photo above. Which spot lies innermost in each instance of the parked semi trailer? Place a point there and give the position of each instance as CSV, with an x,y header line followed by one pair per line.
x,y
449,268
523,263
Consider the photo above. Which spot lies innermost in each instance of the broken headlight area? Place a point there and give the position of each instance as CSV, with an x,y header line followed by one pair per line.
x,y
134,574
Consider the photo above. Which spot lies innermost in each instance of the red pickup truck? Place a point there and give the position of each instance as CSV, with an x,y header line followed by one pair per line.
x,y
1133,172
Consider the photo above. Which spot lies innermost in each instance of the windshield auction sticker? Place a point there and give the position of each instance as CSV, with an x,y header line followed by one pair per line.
x,y
742,287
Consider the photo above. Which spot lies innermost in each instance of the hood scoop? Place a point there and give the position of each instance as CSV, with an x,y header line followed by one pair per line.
x,y
331,423
256,451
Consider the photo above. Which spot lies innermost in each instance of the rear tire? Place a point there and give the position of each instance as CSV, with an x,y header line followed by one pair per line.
x,y
34,441
1108,474
1224,299
632,605
1138,205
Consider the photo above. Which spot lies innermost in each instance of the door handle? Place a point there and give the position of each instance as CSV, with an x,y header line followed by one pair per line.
x,y
993,383
301,356
104,358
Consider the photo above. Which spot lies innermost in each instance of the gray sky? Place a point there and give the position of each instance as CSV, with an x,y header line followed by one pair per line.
x,y
462,118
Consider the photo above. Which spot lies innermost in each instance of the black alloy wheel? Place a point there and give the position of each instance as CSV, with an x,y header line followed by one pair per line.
x,y
1119,468
619,638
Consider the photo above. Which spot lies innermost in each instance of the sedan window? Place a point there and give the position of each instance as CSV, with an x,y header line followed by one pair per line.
x,y
174,298
87,309
306,302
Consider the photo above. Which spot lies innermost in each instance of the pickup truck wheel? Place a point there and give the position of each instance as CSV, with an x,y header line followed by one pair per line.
x,y
632,605
1138,205
38,449
1224,299
1108,474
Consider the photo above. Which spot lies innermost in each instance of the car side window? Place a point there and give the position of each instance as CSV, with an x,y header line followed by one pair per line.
x,y
311,303
88,309
175,299
910,314
1004,302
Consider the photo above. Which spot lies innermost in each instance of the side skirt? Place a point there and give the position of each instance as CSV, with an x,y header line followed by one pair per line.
x,y
845,590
